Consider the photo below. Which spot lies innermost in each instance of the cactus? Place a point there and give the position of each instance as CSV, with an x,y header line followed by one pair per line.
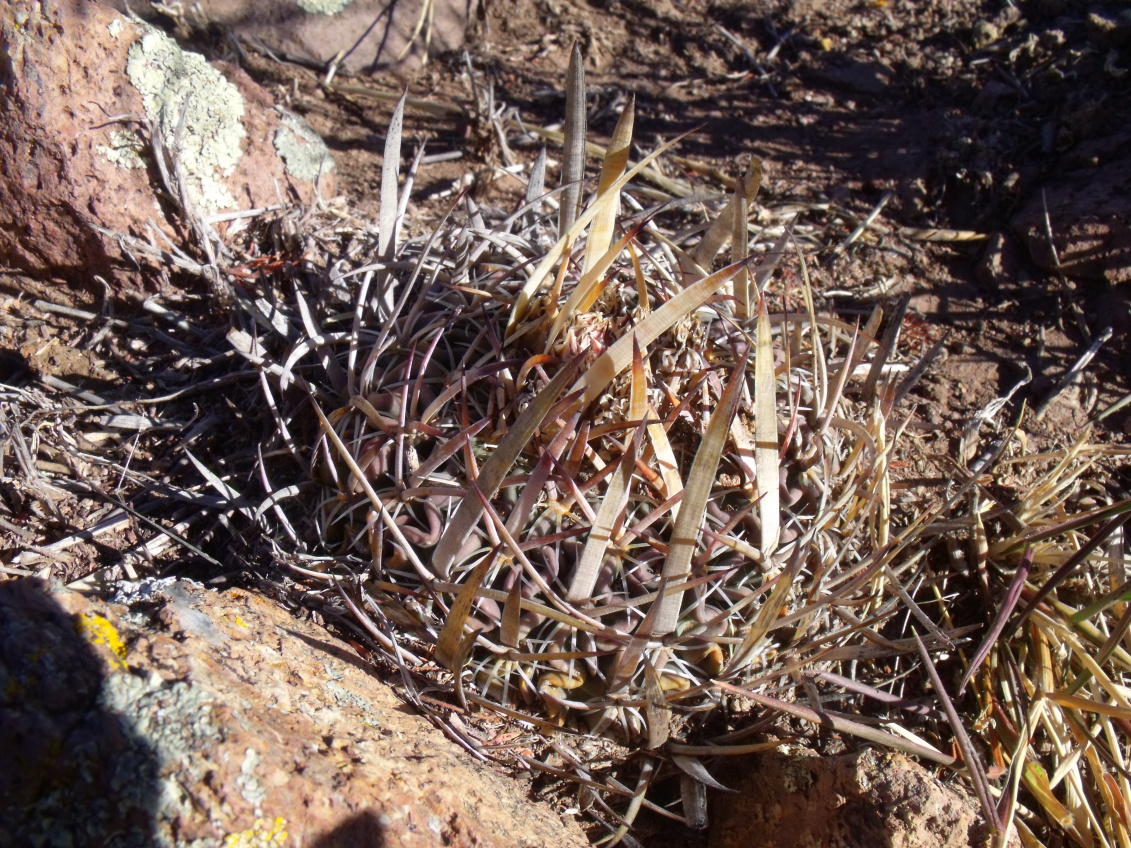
x,y
627,492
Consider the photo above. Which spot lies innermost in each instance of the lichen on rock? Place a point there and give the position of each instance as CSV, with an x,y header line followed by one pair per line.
x,y
323,7
301,148
124,150
173,83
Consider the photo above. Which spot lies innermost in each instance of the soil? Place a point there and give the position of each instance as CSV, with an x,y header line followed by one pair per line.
x,y
958,113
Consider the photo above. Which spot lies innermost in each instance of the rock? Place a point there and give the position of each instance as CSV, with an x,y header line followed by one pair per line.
x,y
78,85
853,76
195,718
866,799
1090,213
984,33
369,35
1111,32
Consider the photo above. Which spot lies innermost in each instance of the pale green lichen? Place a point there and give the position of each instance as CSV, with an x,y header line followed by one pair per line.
x,y
173,82
116,26
301,148
124,150
323,7
175,718
250,788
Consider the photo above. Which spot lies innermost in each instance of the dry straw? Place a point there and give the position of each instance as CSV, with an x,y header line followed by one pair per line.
x,y
633,493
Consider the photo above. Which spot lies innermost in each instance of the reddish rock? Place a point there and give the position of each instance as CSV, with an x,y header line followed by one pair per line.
x,y
866,799
1090,214
367,35
208,719
79,85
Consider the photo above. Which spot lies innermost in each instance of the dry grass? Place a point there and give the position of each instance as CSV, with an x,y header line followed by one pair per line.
x,y
612,497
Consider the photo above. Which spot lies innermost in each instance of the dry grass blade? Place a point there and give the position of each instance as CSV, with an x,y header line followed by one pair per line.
x,y
766,434
728,223
509,626
768,616
919,369
390,174
1088,705
638,393
573,163
1004,611
601,534
536,183
424,23
657,713
540,274
452,647
969,753
680,749
589,286
1074,562
601,233
740,250
887,343
700,482
665,458
841,724
913,707
613,361
647,771
491,476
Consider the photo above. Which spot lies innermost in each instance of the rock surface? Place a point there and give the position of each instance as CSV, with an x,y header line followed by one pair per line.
x,y
364,35
80,89
855,801
193,718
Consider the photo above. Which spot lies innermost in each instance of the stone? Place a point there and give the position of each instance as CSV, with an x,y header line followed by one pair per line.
x,y
984,33
80,87
364,36
1111,32
1089,209
852,800
854,76
188,717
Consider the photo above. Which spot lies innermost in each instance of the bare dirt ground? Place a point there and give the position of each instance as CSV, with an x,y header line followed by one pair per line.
x,y
958,113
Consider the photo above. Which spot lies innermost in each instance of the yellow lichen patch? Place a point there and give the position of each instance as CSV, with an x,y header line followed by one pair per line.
x,y
262,834
99,631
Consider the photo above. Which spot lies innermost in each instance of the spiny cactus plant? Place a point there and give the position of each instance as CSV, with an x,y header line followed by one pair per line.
x,y
632,501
